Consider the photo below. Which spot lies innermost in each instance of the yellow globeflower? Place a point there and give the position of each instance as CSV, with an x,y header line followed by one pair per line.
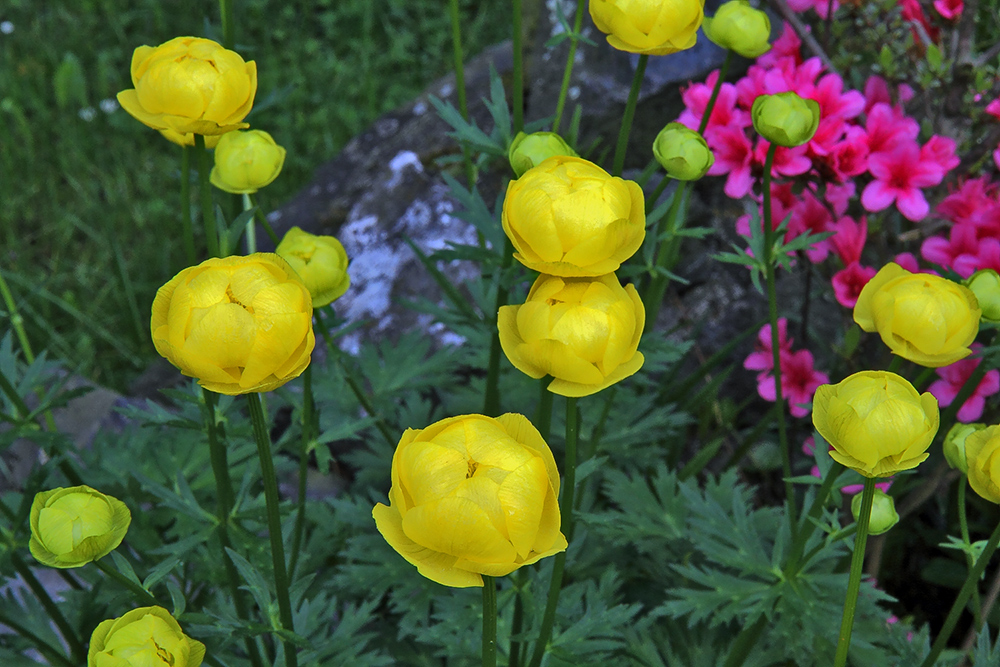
x,y
73,526
652,27
921,317
237,324
246,161
583,331
785,119
982,453
320,261
142,638
569,217
190,85
876,422
472,495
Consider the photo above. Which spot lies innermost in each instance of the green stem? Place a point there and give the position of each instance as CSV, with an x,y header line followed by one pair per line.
x,y
52,653
715,92
543,420
963,597
857,567
251,230
491,400
489,621
574,40
456,45
260,217
207,211
224,499
772,306
566,507
653,298
273,523
745,641
77,651
308,440
807,526
657,192
969,562
517,623
895,363
228,37
186,222
144,596
517,38
626,128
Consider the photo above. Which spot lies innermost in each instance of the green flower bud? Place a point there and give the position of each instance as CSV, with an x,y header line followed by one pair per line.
x,y
72,527
954,445
682,152
883,515
985,284
785,119
739,27
530,150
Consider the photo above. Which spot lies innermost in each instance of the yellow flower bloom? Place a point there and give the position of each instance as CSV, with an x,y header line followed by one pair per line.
x,y
237,324
472,495
682,152
569,217
583,331
211,141
320,261
982,453
921,317
740,27
141,638
876,422
530,150
246,161
652,27
785,119
190,85
73,526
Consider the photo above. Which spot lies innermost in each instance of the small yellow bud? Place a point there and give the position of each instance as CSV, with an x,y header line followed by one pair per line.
x,y
530,150
883,516
683,153
785,119
985,284
320,261
954,445
73,526
739,27
246,161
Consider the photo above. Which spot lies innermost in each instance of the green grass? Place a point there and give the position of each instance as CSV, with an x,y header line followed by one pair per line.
x,y
89,208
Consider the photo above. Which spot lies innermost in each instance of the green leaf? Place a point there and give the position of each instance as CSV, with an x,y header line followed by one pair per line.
x,y
124,567
934,57
69,83
160,571
177,598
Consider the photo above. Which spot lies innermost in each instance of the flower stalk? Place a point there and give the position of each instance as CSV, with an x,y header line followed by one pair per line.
x,y
489,621
207,210
574,40
857,566
463,107
626,128
187,224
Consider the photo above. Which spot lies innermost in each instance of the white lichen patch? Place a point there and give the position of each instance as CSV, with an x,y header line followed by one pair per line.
x,y
400,163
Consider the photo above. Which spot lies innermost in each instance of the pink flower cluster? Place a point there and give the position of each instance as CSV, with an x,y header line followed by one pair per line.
x,y
973,242
799,379
865,143
953,377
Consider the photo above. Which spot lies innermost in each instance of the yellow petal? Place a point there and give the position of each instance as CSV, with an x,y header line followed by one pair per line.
x,y
458,527
434,565
429,471
522,497
525,433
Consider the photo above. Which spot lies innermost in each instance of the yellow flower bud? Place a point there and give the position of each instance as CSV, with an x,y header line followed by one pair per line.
x,y
954,444
739,27
985,284
73,526
876,422
652,27
190,85
320,261
582,331
682,152
921,317
472,495
982,452
143,637
530,150
569,217
883,515
237,324
246,161
211,141
785,119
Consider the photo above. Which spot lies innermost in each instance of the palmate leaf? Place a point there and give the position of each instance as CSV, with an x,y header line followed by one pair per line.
x,y
598,629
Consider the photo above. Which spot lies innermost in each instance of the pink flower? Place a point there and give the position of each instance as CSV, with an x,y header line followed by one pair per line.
x,y
967,204
833,101
839,195
899,176
955,375
849,281
809,446
950,9
762,358
809,215
940,150
993,108
849,158
887,127
733,156
914,13
850,238
908,262
787,46
799,381
822,7
725,111
963,252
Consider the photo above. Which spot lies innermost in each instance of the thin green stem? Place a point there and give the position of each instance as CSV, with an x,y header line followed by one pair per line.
x,y
857,568
261,217
489,621
971,582
308,440
77,651
463,108
895,364
251,229
517,623
807,525
653,298
657,193
228,31
626,127
16,320
273,523
715,93
574,40
963,524
566,508
772,306
52,653
543,420
207,211
187,223
141,593
517,38
491,399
